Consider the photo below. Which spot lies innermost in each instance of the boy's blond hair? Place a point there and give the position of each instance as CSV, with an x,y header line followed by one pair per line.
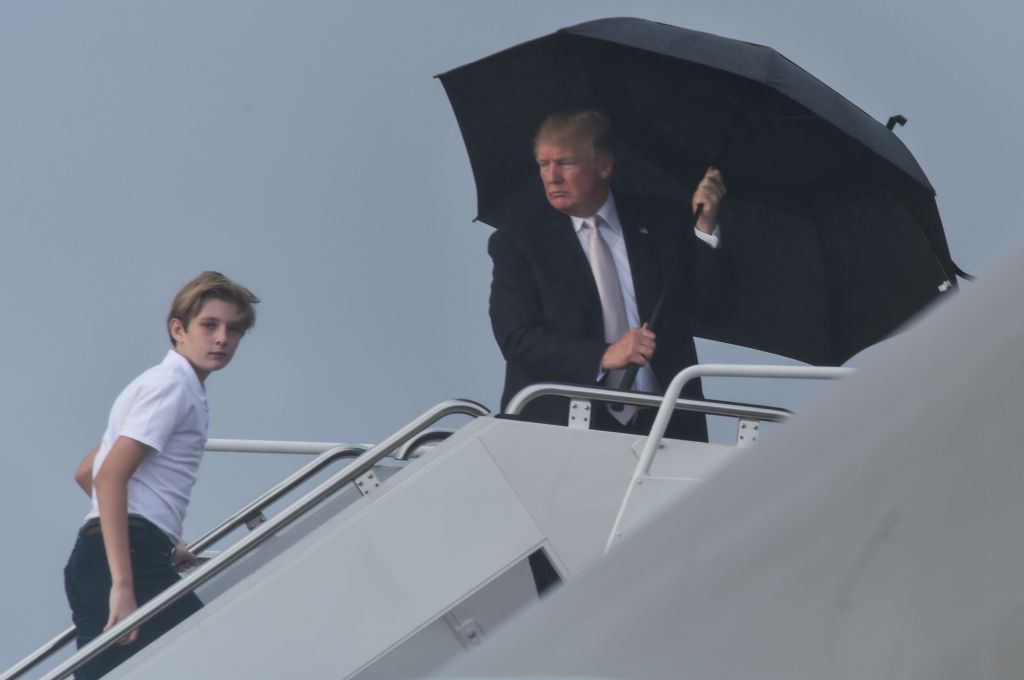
x,y
211,286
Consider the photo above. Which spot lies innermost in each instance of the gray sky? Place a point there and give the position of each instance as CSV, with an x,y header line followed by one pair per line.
x,y
305,149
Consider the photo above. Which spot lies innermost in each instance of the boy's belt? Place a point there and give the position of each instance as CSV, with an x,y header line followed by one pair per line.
x,y
92,526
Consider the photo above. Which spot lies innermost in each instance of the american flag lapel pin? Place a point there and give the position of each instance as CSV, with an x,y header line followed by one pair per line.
x,y
643,230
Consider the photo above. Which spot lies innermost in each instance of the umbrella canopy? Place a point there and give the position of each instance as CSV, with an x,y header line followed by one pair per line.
x,y
833,227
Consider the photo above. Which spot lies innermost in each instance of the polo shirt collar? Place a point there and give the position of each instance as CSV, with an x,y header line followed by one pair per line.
x,y
179,363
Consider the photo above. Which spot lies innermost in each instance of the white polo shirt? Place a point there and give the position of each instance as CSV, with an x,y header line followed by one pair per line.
x,y
164,408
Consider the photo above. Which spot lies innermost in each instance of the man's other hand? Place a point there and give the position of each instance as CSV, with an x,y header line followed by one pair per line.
x,y
710,192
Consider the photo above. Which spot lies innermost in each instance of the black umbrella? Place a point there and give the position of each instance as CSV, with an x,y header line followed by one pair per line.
x,y
833,226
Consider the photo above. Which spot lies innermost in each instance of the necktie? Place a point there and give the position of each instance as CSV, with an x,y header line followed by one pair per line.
x,y
613,309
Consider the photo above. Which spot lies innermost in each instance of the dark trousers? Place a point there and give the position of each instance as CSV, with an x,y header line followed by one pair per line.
x,y
87,584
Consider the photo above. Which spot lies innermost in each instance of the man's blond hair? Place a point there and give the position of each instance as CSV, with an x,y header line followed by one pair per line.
x,y
211,286
587,126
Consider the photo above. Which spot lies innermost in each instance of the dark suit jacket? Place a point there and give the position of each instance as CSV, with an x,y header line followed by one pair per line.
x,y
546,313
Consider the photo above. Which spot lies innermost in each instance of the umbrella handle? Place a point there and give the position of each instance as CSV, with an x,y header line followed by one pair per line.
x,y
629,377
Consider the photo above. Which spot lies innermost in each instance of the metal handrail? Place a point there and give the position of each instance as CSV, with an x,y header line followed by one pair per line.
x,y
643,466
302,474
713,408
425,437
244,546
40,655
296,510
332,453
272,446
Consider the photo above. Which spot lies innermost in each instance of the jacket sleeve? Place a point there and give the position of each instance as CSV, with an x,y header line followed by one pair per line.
x,y
530,333
712,284
702,274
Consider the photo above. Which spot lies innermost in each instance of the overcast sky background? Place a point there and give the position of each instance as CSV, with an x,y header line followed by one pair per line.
x,y
305,149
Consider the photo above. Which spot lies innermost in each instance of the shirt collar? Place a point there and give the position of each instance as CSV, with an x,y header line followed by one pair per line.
x,y
608,212
179,363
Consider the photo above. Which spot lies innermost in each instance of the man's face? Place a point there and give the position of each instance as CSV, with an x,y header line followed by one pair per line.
x,y
211,338
575,176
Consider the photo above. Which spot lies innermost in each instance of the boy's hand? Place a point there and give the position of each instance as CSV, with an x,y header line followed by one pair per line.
x,y
182,558
122,603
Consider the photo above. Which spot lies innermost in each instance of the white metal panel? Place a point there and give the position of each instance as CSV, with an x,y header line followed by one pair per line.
x,y
677,469
878,535
364,591
485,610
372,578
573,481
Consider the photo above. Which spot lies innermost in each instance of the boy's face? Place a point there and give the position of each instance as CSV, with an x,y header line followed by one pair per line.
x,y
211,338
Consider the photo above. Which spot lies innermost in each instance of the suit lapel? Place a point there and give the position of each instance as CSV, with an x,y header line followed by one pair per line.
x,y
643,255
567,261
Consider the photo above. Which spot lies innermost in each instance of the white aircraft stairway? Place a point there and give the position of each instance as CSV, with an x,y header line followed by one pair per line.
x,y
390,568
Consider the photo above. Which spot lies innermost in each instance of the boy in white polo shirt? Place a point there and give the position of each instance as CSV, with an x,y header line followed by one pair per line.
x,y
140,476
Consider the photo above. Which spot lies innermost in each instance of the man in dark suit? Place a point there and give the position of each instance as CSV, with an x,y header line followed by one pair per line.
x,y
556,285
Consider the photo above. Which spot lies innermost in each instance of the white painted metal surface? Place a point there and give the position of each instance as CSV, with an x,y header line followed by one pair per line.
x,y
428,565
642,472
410,568
878,535
363,582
